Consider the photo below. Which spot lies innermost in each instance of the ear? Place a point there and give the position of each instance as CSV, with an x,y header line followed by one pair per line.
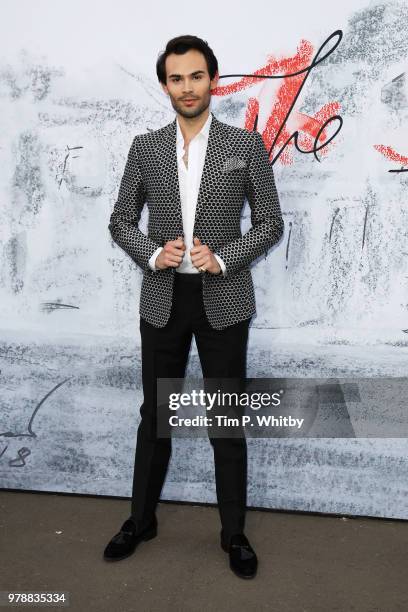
x,y
214,81
166,91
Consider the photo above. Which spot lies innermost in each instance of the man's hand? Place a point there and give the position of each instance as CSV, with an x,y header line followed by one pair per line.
x,y
202,257
171,255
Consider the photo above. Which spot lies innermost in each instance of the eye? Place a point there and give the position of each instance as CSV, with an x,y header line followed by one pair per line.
x,y
197,76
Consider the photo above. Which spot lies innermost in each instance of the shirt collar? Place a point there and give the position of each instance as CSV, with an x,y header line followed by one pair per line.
x,y
204,130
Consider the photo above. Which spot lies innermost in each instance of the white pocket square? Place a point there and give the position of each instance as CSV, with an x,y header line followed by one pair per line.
x,y
233,163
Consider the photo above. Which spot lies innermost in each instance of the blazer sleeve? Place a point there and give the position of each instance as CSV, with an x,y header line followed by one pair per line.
x,y
266,217
124,220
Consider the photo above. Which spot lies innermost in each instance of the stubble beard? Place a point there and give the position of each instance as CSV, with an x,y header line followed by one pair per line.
x,y
193,112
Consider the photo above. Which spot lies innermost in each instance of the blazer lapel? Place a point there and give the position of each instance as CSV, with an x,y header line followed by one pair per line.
x,y
218,150
166,154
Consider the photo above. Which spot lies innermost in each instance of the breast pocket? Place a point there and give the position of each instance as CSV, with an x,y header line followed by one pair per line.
x,y
233,182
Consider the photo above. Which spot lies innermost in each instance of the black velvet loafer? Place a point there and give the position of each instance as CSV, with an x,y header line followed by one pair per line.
x,y
242,557
124,543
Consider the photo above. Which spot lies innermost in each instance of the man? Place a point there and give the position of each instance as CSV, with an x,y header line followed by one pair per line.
x,y
194,174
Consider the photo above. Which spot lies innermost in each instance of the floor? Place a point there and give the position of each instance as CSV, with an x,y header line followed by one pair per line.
x,y
307,563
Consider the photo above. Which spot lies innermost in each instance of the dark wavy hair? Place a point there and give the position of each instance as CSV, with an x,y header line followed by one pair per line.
x,y
182,44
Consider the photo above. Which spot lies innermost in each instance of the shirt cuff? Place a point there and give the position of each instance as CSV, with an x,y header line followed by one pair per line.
x,y
222,264
152,260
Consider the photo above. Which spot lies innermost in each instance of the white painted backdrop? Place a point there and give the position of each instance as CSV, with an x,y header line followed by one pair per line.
x,y
77,82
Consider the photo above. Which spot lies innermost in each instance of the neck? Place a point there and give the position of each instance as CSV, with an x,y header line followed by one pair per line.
x,y
190,126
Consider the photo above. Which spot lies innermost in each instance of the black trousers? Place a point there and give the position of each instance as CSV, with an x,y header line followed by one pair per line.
x,y
165,353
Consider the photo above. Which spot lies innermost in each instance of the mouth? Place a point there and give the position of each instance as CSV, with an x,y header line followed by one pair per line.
x,y
189,101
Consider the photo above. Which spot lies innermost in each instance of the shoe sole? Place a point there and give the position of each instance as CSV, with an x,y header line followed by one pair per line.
x,y
149,535
242,575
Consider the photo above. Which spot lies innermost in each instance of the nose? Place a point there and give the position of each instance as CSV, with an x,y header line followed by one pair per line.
x,y
187,86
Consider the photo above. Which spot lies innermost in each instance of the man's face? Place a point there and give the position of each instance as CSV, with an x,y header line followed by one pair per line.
x,y
188,83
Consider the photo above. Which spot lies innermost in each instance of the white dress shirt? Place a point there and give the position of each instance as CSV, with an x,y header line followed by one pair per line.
x,y
189,182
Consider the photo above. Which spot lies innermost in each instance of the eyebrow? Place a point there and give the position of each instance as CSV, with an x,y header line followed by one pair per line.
x,y
192,74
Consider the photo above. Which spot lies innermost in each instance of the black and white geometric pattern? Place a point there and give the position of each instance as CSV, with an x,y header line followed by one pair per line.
x,y
236,166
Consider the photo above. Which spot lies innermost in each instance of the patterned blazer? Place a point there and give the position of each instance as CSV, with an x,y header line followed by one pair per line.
x,y
236,166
